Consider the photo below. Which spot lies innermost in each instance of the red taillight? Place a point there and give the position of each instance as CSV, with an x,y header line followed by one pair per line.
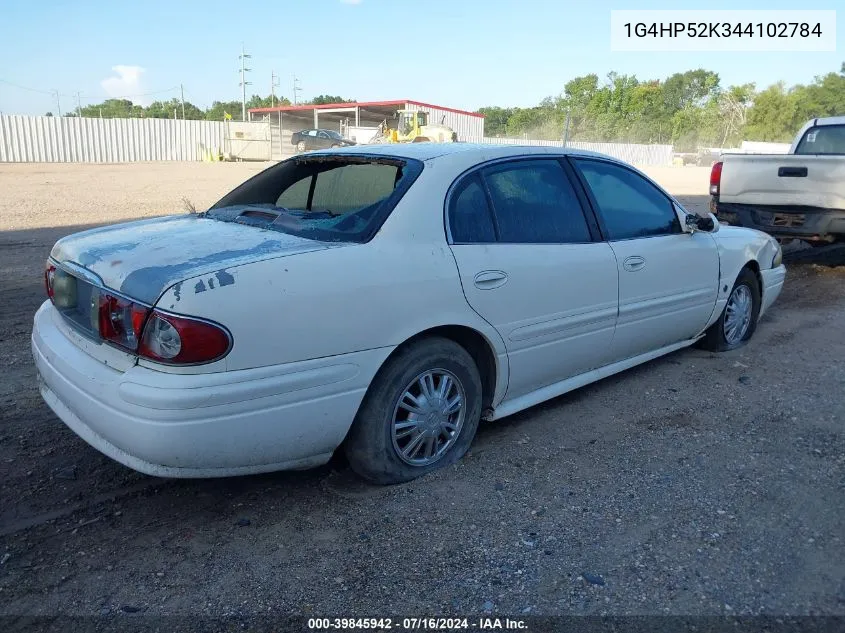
x,y
49,274
715,178
182,340
121,321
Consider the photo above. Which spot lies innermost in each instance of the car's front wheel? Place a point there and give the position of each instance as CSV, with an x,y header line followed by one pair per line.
x,y
738,320
420,414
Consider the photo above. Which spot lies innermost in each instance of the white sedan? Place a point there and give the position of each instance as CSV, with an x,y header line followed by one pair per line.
x,y
384,300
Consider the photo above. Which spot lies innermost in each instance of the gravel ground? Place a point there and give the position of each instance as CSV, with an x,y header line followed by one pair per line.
x,y
695,484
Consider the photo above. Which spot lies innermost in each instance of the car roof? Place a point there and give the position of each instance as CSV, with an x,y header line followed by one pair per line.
x,y
430,151
831,120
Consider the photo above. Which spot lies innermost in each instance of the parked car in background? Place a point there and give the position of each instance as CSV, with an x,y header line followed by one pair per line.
x,y
796,195
306,140
382,299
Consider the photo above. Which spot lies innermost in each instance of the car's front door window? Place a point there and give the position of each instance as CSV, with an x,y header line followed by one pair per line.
x,y
630,205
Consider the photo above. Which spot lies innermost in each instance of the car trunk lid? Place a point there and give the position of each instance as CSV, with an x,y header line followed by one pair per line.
x,y
142,259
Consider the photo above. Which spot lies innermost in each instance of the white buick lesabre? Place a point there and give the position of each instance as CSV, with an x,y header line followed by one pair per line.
x,y
381,299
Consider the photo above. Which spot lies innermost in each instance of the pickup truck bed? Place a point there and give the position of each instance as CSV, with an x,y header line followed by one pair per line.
x,y
796,195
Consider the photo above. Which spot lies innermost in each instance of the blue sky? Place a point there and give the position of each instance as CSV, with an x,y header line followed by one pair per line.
x,y
459,53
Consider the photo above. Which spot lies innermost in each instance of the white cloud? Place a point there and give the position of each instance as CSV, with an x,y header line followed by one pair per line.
x,y
351,1
127,83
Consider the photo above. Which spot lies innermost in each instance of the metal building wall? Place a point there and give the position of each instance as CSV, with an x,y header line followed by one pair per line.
x,y
44,139
467,127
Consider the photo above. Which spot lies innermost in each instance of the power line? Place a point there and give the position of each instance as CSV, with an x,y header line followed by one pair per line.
x,y
53,93
45,92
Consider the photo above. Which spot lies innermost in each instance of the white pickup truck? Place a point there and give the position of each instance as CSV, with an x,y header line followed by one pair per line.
x,y
796,195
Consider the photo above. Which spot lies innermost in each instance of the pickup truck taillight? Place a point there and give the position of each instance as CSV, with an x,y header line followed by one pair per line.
x,y
715,178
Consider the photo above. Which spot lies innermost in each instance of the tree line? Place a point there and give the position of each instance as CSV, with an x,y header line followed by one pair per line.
x,y
688,110
125,108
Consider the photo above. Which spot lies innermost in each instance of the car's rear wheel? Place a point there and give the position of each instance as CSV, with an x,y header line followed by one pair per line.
x,y
736,325
300,146
420,414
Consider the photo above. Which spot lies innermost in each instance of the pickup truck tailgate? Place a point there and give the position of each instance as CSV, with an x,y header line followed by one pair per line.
x,y
783,180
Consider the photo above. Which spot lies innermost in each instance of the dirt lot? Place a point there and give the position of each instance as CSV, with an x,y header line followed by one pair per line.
x,y
696,484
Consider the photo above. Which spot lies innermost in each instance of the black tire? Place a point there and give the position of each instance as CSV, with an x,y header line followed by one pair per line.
x,y
715,339
369,446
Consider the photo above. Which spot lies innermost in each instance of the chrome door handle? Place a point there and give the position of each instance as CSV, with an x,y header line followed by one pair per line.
x,y
633,263
489,279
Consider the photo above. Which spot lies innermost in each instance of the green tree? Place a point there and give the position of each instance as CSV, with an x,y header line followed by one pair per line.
x,y
692,88
219,108
496,120
774,115
113,109
165,110
326,99
266,102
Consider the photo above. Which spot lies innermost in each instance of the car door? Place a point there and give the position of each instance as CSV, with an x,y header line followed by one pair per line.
x,y
668,278
532,266
323,139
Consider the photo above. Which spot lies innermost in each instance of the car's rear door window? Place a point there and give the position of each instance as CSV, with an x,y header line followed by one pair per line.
x,y
470,219
534,202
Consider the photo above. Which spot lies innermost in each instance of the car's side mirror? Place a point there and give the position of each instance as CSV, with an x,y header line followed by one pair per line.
x,y
697,223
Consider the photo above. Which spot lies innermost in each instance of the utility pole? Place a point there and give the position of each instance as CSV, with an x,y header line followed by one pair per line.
x,y
296,88
274,82
182,93
566,130
78,105
58,104
244,82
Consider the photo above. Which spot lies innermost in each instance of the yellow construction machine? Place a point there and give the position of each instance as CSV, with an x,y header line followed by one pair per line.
x,y
412,126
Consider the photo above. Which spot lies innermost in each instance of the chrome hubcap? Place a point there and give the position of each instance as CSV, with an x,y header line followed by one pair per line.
x,y
428,418
738,314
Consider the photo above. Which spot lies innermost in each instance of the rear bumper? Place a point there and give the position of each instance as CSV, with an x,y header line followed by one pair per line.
x,y
807,223
202,425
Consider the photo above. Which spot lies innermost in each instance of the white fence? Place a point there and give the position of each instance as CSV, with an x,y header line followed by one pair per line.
x,y
761,147
629,152
42,139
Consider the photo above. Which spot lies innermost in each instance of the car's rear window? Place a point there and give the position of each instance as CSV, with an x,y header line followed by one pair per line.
x,y
323,197
823,139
